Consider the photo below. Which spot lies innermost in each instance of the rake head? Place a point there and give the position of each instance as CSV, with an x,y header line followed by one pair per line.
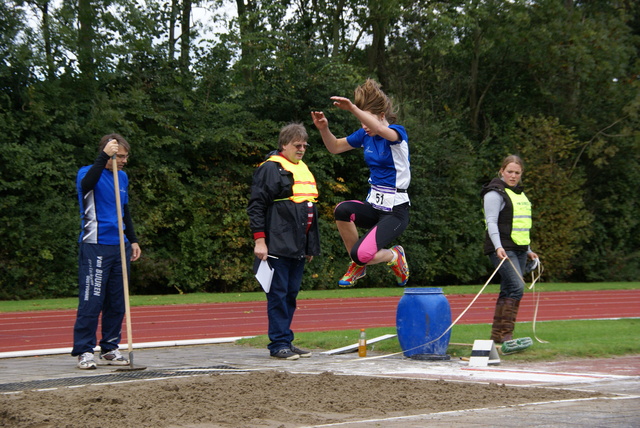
x,y
516,345
130,367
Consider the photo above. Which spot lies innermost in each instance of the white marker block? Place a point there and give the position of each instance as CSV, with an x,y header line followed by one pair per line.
x,y
484,352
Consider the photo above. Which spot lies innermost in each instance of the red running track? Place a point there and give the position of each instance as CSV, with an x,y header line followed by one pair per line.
x,y
27,331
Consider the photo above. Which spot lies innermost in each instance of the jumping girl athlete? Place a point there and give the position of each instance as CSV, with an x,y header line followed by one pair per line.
x,y
385,213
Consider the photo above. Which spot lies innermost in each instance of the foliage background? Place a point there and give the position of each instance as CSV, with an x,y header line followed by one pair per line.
x,y
202,100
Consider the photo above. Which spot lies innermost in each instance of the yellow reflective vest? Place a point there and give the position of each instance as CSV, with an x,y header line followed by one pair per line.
x,y
521,223
304,184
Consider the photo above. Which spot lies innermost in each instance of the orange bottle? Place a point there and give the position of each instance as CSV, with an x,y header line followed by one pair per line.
x,y
362,344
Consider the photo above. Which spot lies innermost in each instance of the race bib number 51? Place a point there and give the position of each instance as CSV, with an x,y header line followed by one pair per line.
x,y
382,198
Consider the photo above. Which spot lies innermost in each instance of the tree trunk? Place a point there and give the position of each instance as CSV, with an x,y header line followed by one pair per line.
x,y
46,37
474,98
377,57
86,35
336,26
185,37
172,29
247,27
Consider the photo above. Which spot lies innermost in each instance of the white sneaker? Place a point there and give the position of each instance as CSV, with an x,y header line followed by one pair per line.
x,y
86,361
114,357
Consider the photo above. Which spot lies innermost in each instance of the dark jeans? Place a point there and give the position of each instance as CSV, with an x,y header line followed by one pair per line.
x,y
511,284
281,300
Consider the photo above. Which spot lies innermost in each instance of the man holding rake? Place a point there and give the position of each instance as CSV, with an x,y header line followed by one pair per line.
x,y
101,287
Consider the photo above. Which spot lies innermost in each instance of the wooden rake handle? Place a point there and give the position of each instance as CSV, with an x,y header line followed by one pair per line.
x,y
123,253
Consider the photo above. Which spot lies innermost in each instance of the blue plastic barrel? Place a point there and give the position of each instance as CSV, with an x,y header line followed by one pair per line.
x,y
423,315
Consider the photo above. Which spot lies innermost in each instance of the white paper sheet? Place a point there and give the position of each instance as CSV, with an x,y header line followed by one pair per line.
x,y
264,275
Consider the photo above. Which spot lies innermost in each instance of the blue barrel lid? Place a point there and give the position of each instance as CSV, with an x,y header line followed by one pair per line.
x,y
423,290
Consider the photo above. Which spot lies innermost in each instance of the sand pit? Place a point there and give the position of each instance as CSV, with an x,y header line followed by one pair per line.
x,y
257,399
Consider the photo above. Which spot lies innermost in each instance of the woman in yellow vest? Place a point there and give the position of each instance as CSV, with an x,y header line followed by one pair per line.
x,y
284,221
507,212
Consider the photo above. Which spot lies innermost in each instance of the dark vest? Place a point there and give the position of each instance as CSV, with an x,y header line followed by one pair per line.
x,y
506,219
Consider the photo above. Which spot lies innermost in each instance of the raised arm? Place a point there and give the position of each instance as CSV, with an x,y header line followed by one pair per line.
x,y
377,124
333,144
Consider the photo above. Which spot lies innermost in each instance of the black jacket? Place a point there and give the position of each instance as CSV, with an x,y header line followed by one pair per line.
x,y
284,222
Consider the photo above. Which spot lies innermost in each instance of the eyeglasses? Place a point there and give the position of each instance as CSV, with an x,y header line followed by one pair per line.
x,y
301,145
122,157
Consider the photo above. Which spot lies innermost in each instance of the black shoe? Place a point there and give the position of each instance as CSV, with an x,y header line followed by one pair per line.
x,y
302,352
285,354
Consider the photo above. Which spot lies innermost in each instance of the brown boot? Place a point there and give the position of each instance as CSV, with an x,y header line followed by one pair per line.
x,y
498,319
511,307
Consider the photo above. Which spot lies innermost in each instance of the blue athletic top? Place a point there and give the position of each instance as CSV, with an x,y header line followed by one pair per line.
x,y
98,207
388,161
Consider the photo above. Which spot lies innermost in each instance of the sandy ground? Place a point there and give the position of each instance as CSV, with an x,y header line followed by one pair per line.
x,y
258,399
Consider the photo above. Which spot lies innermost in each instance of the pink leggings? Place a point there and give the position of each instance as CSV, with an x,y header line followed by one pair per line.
x,y
383,227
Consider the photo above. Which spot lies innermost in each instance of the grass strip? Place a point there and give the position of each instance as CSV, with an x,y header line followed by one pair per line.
x,y
567,339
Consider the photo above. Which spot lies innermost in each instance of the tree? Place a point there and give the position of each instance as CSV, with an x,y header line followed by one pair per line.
x,y
472,79
561,220
86,36
185,37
